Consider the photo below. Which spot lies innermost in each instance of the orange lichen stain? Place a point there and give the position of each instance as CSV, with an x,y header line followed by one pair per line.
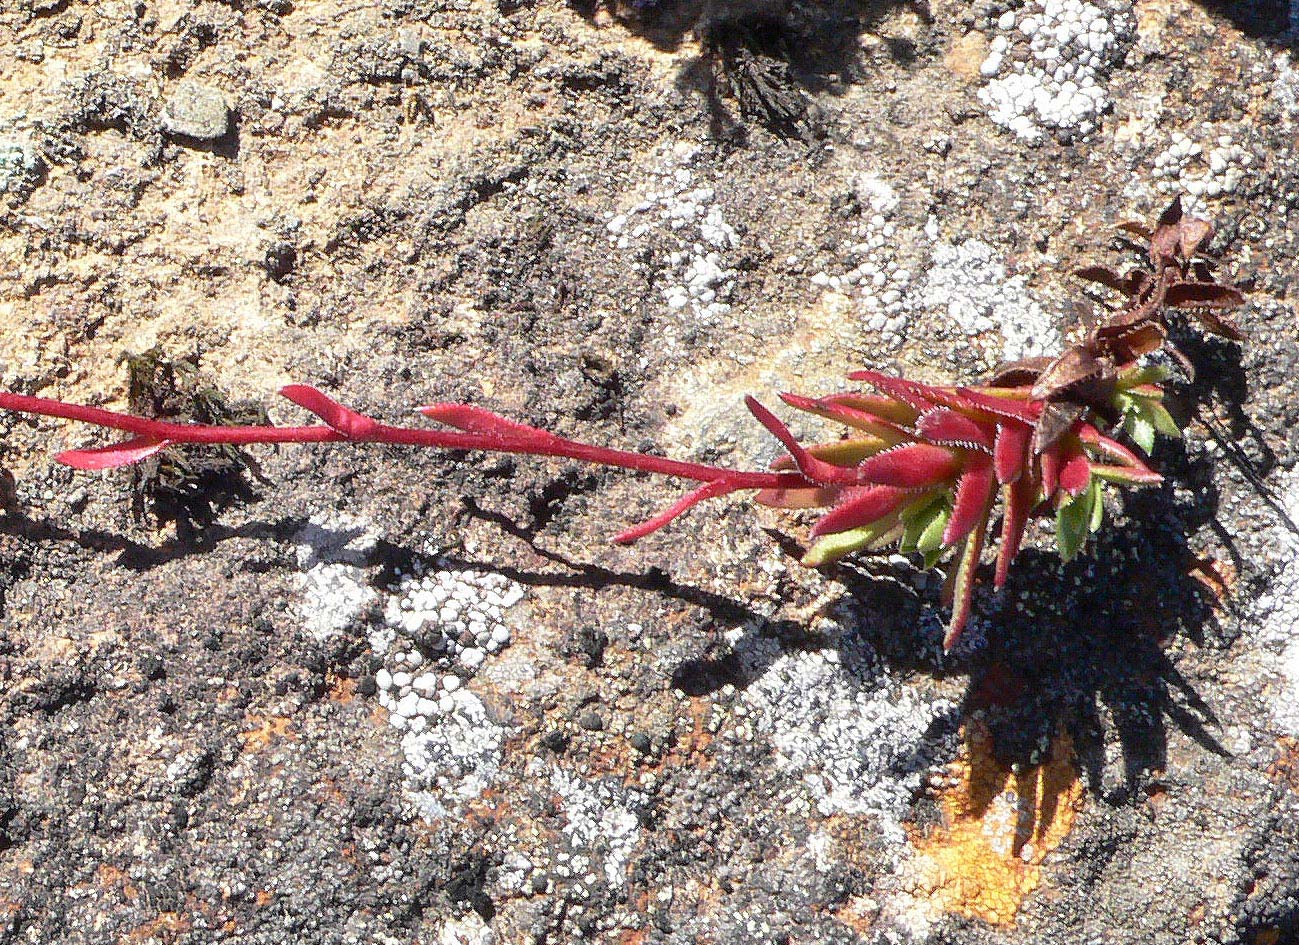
x,y
341,688
107,875
1218,577
858,914
1267,937
1285,770
967,55
263,731
998,826
165,928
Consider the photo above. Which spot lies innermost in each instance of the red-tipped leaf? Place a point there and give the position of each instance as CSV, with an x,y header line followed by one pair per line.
x,y
913,466
815,469
118,454
344,420
861,507
1010,407
709,490
1011,450
950,428
963,584
473,419
810,498
1018,497
1050,462
858,419
1075,470
886,408
974,493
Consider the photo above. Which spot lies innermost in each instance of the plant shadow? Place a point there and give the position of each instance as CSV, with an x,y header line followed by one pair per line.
x,y
1078,649
765,59
1269,20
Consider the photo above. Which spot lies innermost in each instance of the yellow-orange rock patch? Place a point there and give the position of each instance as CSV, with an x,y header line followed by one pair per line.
x,y
998,826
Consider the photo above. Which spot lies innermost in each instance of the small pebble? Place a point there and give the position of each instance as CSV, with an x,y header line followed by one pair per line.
x,y
196,111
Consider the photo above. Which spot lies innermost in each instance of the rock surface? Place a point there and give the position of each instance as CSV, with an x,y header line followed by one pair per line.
x,y
196,111
364,708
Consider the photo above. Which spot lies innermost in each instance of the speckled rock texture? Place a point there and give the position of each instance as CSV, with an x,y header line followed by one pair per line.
x,y
395,697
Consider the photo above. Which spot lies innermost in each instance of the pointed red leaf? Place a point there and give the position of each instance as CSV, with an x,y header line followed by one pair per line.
x,y
473,419
1075,471
1050,463
913,466
342,419
709,490
1111,447
1011,407
886,408
886,430
842,453
1018,498
797,498
110,457
1011,450
974,495
861,507
815,469
963,584
945,426
919,396
1127,475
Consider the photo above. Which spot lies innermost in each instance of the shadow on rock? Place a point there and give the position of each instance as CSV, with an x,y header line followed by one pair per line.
x,y
765,56
1078,649
1269,20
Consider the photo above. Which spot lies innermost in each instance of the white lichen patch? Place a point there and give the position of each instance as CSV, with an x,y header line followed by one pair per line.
x,y
1276,613
469,929
868,268
1186,168
855,736
458,756
969,282
439,627
682,219
21,166
334,592
1048,63
1285,88
601,829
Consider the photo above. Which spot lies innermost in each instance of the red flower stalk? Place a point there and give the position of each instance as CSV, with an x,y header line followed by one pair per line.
x,y
921,467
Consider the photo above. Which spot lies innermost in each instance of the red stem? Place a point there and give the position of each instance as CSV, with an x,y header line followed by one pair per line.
x,y
538,444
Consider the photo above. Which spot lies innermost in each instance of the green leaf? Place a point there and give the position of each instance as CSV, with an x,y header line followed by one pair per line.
x,y
1163,420
1072,523
1097,494
918,523
1152,374
931,558
1141,429
830,548
1123,475
931,539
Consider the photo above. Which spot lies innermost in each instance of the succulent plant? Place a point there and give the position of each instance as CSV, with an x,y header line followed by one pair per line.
x,y
921,467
